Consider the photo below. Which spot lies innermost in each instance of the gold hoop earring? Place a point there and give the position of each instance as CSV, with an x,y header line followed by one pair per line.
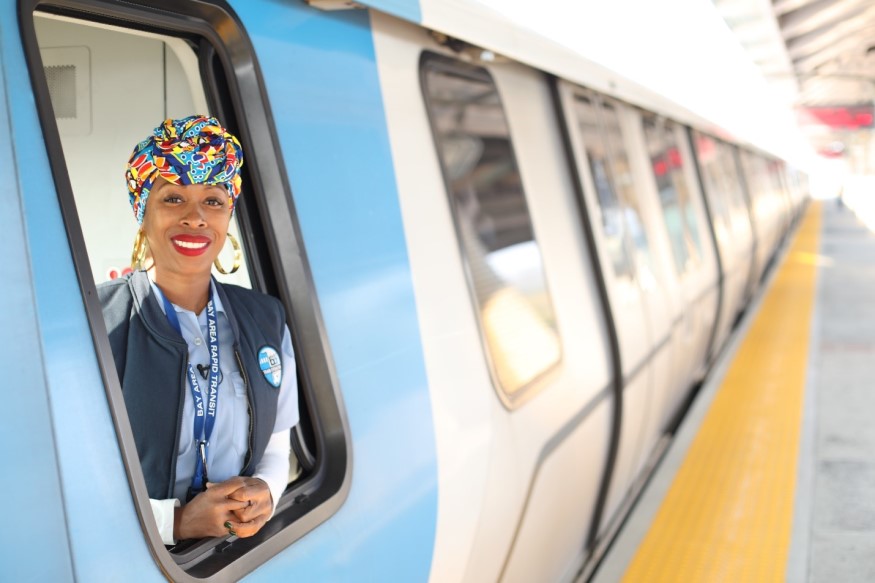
x,y
138,256
237,256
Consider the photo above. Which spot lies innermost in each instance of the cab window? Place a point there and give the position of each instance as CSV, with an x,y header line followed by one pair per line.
x,y
102,85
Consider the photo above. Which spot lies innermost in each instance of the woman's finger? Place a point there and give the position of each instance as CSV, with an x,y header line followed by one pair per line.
x,y
249,528
227,487
250,491
227,505
249,513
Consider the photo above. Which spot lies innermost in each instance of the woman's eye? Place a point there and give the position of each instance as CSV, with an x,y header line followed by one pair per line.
x,y
172,198
215,202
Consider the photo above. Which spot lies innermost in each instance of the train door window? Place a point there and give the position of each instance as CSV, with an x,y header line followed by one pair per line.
x,y
674,192
771,192
624,182
751,175
173,63
776,177
714,182
503,262
589,124
758,183
732,179
767,181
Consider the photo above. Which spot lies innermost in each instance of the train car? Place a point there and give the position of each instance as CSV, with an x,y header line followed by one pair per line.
x,y
505,266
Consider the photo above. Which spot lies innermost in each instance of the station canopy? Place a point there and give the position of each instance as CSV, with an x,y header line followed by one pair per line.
x,y
819,55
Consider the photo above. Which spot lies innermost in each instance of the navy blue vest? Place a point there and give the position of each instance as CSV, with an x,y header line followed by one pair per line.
x,y
151,359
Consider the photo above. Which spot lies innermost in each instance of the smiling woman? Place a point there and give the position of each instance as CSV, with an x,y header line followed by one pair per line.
x,y
210,471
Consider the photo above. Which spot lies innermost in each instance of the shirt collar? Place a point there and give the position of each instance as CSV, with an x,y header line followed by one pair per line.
x,y
217,300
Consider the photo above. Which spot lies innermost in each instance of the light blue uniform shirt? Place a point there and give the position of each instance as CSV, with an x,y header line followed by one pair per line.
x,y
229,440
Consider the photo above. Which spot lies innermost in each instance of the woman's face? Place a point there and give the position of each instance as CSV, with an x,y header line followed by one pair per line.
x,y
186,226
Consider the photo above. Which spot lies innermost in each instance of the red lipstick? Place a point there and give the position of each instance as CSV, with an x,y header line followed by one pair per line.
x,y
191,245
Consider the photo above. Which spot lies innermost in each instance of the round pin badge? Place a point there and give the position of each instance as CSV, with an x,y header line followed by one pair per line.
x,y
271,365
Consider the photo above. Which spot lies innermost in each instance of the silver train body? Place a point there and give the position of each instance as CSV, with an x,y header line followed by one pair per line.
x,y
506,268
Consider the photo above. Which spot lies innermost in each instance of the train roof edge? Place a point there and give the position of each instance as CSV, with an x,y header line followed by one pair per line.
x,y
731,100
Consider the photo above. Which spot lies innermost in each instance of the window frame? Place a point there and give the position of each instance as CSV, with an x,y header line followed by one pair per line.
x,y
278,265
430,60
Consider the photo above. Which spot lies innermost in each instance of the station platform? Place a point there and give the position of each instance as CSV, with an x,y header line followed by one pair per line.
x,y
771,477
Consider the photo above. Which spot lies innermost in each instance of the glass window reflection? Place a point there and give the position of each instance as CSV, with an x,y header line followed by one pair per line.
x,y
674,192
610,207
504,264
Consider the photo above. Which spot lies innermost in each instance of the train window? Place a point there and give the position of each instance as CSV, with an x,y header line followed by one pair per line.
x,y
754,167
497,240
731,172
173,63
624,232
624,182
714,181
777,176
722,180
674,193
613,224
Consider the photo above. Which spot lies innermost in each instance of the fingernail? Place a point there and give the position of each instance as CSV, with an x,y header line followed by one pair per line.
x,y
231,532
228,524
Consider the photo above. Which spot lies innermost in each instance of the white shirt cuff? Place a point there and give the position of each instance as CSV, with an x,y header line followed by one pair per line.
x,y
163,511
274,465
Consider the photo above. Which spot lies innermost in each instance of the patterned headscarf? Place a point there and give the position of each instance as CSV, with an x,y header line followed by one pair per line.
x,y
192,150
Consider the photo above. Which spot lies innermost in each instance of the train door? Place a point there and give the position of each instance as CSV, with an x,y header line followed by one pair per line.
x,y
784,200
719,181
766,214
744,235
512,329
608,188
662,291
689,266
697,220
570,495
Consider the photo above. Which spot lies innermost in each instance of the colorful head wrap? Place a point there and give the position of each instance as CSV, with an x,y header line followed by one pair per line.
x,y
192,150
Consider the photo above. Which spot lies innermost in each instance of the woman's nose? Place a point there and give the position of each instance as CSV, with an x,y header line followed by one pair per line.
x,y
193,216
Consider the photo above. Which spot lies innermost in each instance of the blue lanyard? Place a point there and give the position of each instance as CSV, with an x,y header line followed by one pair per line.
x,y
204,416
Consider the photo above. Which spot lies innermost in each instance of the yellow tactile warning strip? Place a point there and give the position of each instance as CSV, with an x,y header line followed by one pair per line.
x,y
728,514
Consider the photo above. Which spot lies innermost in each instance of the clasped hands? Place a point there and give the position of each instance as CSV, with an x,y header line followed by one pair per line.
x,y
239,505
